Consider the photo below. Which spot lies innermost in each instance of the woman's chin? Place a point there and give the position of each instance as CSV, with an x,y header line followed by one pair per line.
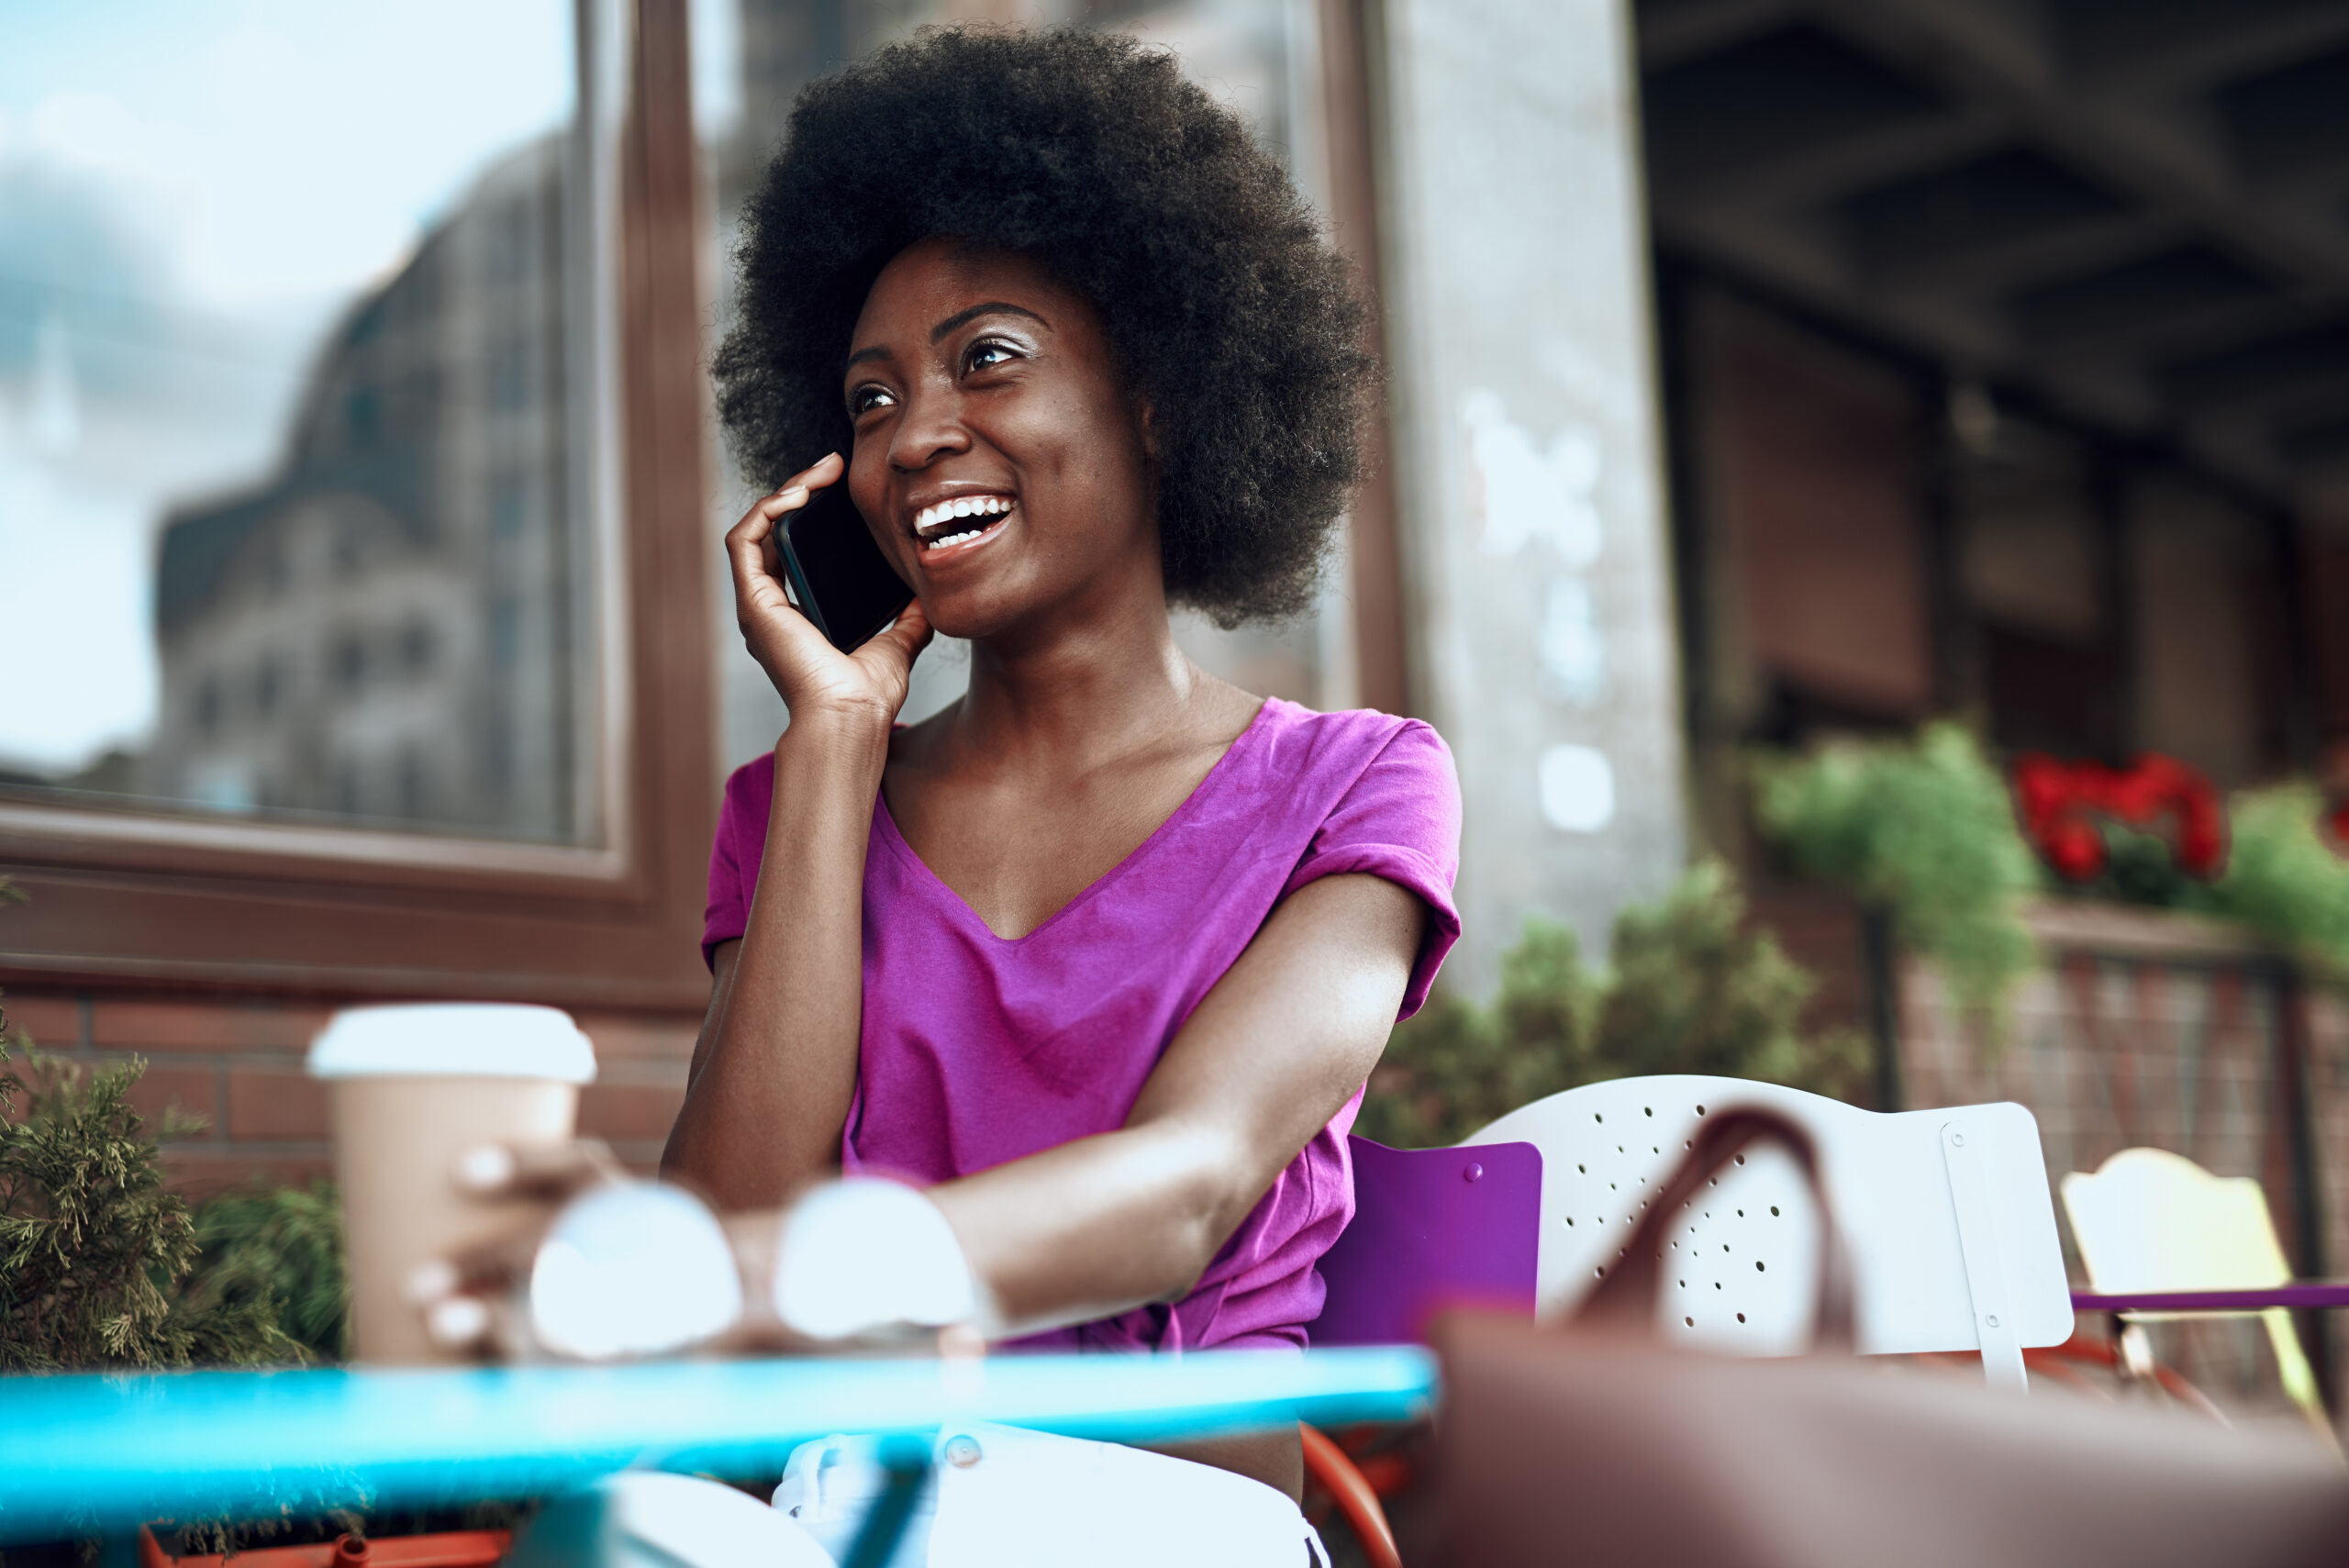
x,y
969,611
1017,595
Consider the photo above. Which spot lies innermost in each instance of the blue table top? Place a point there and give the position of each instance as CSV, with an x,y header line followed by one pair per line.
x,y
92,1453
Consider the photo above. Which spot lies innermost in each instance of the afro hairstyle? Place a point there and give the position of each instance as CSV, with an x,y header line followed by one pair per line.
x,y
1090,153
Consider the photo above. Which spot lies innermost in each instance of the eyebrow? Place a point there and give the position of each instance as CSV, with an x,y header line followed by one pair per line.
x,y
960,318
991,307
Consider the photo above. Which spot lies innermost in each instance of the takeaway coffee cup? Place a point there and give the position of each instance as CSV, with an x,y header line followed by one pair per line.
x,y
414,1089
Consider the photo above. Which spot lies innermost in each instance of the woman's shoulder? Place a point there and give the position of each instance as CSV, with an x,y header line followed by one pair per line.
x,y
1358,736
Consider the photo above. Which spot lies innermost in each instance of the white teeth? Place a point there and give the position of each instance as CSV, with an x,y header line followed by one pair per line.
x,y
966,506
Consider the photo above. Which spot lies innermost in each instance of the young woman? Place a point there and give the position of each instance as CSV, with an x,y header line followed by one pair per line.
x,y
1100,958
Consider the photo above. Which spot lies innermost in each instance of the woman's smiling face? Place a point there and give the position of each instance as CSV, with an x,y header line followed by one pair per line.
x,y
998,458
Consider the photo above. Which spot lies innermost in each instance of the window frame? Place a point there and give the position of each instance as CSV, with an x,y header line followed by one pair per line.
x,y
121,896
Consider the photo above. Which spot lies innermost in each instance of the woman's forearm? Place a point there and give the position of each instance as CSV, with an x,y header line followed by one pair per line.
x,y
1083,1231
1104,1224
773,1078
1096,1227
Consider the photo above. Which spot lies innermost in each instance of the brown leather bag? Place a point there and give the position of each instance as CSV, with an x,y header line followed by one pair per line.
x,y
1593,1443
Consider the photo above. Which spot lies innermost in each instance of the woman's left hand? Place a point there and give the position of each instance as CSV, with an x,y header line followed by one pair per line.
x,y
624,1267
632,1268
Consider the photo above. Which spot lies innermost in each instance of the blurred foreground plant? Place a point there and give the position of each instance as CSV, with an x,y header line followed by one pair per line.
x,y
101,1266
282,1245
1923,829
1690,990
2282,879
95,1257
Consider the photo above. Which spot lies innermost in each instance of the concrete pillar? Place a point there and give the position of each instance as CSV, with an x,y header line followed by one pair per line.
x,y
1528,453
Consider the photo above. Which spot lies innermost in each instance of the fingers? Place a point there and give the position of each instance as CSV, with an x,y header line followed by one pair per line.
x,y
484,1269
549,1171
902,642
625,1268
750,543
758,582
753,558
826,470
746,542
791,494
467,1300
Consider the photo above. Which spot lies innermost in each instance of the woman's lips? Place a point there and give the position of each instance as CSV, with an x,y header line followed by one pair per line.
x,y
952,526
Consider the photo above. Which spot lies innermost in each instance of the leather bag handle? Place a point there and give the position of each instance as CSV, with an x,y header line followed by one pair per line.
x,y
1626,1296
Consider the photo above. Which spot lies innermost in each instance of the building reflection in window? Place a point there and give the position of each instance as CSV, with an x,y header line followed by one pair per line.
x,y
348,525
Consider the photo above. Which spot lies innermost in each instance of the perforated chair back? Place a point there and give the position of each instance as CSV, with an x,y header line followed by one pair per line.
x,y
1433,1229
1946,1215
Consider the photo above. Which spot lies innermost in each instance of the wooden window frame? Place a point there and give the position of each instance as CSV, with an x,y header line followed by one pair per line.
x,y
1353,127
124,898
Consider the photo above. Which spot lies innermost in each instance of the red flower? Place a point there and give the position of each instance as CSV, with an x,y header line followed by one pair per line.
x,y
2059,801
2336,823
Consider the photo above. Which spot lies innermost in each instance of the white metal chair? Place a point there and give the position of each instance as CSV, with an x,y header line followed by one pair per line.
x,y
1946,1215
2149,1221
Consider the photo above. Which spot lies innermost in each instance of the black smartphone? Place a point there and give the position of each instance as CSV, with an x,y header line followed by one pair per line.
x,y
839,575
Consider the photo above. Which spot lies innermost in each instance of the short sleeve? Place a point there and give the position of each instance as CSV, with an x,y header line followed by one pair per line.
x,y
1399,819
734,854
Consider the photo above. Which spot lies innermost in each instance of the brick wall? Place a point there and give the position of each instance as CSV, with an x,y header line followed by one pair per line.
x,y
237,1065
1819,929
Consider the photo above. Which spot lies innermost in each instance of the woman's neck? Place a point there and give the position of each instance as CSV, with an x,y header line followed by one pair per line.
x,y
1095,691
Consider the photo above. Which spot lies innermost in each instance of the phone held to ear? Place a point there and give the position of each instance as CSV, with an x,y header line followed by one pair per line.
x,y
838,575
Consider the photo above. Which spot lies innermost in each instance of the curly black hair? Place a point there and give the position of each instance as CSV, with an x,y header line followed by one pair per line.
x,y
1090,153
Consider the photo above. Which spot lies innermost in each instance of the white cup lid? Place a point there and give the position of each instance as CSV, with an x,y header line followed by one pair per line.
x,y
452,1040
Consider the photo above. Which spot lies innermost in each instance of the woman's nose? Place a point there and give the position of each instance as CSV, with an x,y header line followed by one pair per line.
x,y
931,428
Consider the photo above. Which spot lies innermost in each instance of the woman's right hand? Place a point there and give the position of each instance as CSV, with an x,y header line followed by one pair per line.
x,y
811,675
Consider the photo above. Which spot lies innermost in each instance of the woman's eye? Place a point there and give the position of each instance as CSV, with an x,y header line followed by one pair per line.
x,y
986,355
866,398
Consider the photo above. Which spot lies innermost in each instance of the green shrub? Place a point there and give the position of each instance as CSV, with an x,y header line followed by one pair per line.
x,y
100,1267
1922,829
1691,990
2282,880
282,1245
97,1259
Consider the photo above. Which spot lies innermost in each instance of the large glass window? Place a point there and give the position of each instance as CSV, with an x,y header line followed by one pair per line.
x,y
299,386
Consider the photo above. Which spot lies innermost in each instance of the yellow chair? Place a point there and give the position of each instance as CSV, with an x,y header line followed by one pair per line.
x,y
2149,1221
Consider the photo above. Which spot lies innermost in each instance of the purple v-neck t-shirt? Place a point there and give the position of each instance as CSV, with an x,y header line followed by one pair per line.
x,y
978,1049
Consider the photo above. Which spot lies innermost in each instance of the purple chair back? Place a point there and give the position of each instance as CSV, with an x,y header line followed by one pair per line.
x,y
1433,1229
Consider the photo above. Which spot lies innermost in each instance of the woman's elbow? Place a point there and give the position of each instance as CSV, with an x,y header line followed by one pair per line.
x,y
1202,1220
